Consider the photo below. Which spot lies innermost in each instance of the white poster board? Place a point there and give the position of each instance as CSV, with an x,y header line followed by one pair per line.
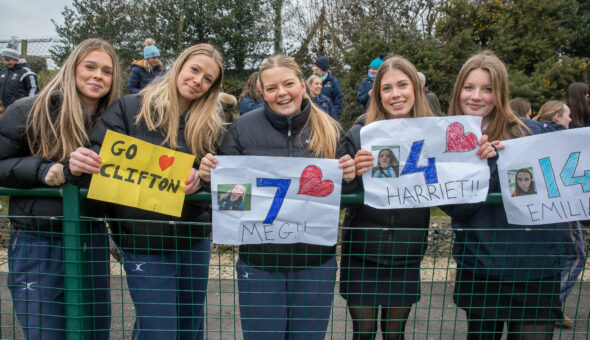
x,y
433,162
283,200
546,178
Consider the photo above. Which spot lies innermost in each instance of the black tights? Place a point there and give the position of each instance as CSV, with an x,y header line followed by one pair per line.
x,y
483,329
365,319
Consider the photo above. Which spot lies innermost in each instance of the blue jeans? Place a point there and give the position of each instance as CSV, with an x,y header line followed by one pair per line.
x,y
169,291
286,305
36,282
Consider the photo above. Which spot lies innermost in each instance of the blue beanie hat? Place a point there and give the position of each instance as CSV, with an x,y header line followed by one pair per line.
x,y
376,63
322,63
150,50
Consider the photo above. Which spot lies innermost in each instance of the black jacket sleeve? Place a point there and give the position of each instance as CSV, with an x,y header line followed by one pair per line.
x,y
18,169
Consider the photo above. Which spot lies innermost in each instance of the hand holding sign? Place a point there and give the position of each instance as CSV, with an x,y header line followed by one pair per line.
x,y
275,200
142,175
423,162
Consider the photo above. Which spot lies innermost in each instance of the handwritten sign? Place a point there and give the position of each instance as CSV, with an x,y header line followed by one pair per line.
x,y
275,200
546,178
141,175
423,162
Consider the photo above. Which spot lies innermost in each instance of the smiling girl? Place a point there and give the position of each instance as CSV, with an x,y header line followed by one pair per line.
x,y
505,273
166,262
285,290
37,136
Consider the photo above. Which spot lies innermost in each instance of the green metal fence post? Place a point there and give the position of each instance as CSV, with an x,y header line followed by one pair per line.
x,y
76,286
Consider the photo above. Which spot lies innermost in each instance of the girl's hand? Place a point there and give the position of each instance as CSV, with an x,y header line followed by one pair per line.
x,y
84,161
346,163
55,175
363,161
192,183
207,163
488,149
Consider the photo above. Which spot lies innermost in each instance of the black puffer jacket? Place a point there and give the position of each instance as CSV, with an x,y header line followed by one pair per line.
x,y
19,169
17,82
143,237
389,237
262,132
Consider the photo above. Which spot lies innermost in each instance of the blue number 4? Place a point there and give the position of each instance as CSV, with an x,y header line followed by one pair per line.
x,y
412,164
282,187
567,174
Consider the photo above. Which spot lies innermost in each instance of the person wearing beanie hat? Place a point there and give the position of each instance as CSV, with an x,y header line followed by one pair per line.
x,y
330,85
364,92
17,80
431,96
145,70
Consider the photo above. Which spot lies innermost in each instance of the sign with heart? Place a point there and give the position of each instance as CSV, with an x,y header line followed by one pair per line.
x,y
259,199
423,162
139,174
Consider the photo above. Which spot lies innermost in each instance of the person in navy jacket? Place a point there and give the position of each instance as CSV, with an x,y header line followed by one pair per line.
x,y
314,90
144,71
364,92
330,85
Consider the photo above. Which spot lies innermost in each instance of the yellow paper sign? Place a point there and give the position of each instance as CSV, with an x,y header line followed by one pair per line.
x,y
141,175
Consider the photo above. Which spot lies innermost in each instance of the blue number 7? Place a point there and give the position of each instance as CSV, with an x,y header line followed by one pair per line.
x,y
282,187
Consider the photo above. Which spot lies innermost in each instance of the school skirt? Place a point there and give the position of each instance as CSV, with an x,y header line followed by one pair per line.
x,y
511,301
371,284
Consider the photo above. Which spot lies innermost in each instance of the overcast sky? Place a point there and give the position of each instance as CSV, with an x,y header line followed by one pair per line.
x,y
28,19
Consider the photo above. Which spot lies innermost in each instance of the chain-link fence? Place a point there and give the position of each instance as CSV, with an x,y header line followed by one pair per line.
x,y
58,280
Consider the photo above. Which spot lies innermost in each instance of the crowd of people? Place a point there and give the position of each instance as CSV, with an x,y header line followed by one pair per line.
x,y
285,290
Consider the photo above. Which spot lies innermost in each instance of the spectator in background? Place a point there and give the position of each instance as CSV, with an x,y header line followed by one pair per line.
x,y
314,90
331,86
251,96
576,98
430,96
555,114
145,70
17,80
364,92
521,108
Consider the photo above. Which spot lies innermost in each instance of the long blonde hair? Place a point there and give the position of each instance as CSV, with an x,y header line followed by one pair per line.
x,y
160,109
503,123
551,109
325,131
55,138
376,111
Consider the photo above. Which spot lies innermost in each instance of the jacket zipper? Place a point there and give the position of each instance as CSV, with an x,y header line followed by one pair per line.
x,y
289,123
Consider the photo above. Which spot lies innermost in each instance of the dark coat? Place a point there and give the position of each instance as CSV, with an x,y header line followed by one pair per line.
x,y
139,78
325,104
490,246
331,89
362,95
247,104
17,82
262,132
390,237
20,169
141,237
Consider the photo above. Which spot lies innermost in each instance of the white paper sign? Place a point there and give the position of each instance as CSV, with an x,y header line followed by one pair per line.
x,y
423,162
546,178
275,200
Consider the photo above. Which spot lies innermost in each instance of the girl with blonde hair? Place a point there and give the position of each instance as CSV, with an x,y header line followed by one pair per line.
x,y
145,70
37,135
285,290
382,248
505,273
556,113
166,263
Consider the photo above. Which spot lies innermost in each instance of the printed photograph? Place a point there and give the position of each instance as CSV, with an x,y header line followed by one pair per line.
x,y
234,196
522,182
387,162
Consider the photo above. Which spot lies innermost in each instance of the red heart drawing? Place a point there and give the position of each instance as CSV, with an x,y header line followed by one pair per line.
x,y
165,162
310,183
458,141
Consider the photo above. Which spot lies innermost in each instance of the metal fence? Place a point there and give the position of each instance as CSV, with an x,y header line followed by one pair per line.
x,y
434,316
